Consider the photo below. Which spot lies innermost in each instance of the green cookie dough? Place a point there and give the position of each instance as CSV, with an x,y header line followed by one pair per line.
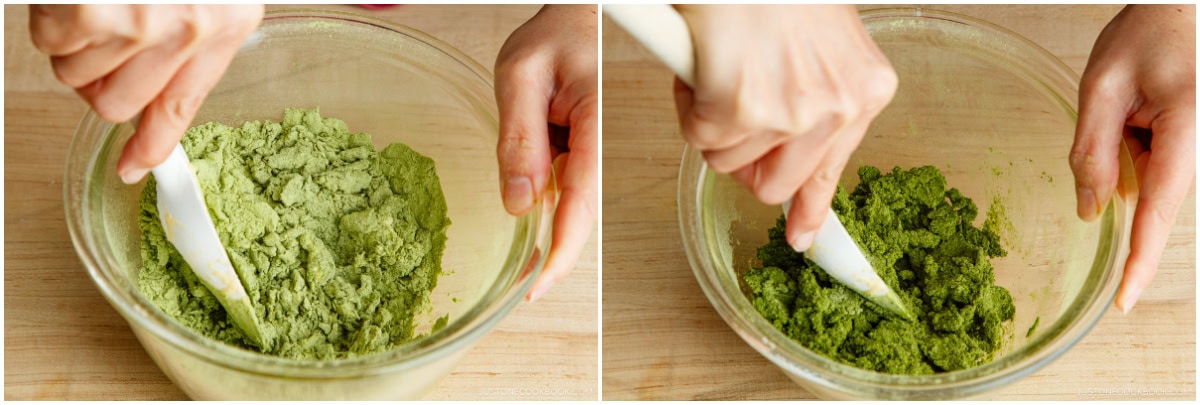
x,y
337,244
920,239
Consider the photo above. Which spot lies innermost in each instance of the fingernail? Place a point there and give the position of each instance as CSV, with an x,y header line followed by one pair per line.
x,y
539,290
518,194
132,176
1087,204
803,242
1127,300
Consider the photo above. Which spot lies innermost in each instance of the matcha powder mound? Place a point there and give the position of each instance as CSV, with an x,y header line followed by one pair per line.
x,y
338,245
920,239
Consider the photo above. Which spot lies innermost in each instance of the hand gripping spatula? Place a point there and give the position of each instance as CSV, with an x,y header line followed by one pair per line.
x,y
664,32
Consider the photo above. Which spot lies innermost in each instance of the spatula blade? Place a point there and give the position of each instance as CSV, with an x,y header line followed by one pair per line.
x,y
188,227
835,251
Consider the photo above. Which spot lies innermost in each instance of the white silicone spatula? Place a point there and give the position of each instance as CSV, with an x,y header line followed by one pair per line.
x,y
664,32
185,219
835,251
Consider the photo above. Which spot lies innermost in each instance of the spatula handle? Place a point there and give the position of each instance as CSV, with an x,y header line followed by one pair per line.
x,y
661,30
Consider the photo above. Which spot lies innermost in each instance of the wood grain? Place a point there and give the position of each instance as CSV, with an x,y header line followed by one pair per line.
x,y
62,339
663,340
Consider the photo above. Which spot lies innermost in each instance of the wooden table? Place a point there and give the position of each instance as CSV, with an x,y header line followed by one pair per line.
x,y
663,340
63,340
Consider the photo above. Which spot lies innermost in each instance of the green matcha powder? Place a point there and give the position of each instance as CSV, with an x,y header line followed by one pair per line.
x,y
920,239
337,244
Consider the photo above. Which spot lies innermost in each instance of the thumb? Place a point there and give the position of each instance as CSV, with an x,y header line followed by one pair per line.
x,y
523,95
1103,108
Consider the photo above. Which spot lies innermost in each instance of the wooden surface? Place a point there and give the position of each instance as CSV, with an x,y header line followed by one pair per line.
x,y
63,340
663,340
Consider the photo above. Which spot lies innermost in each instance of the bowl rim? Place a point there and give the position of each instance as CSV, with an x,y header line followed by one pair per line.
x,y
800,362
522,266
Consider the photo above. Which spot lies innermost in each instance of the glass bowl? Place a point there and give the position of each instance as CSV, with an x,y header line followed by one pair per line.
x,y
996,114
391,81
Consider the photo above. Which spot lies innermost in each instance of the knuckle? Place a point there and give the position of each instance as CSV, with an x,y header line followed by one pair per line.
x,y
1082,158
194,28
586,197
246,17
751,114
1163,209
721,165
141,30
91,17
827,176
880,88
1077,156
706,134
716,140
49,43
112,108
43,42
774,190
50,26
518,134
1164,215
180,110
738,106
843,107
839,110
1099,83
519,68
702,140
799,119
64,75
257,11
1095,75
765,192
516,148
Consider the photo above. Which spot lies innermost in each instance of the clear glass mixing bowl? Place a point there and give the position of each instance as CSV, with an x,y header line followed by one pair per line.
x,y
391,81
996,114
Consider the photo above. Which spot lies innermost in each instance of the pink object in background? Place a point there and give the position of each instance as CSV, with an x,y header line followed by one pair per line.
x,y
378,6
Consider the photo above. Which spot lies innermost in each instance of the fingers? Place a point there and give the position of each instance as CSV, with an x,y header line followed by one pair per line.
x,y
123,59
62,29
576,214
90,64
523,92
167,118
699,127
812,201
1169,172
748,176
786,168
768,112
137,82
737,156
546,74
1103,108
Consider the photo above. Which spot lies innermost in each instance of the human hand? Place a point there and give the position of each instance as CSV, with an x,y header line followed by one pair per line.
x,y
546,75
783,96
1140,85
160,60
